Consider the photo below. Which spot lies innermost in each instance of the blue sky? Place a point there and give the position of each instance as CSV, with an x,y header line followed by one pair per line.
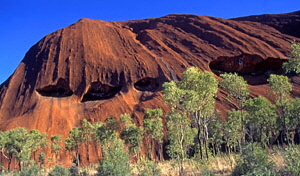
x,y
25,22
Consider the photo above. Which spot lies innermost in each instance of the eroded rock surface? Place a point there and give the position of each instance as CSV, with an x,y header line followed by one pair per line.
x,y
95,69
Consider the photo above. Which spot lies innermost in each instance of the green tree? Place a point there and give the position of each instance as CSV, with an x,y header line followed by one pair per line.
x,y
238,90
200,89
106,132
131,134
83,134
293,64
115,160
55,145
153,126
59,171
42,159
216,131
281,88
3,143
295,117
254,161
292,160
148,168
179,131
236,87
262,120
31,170
72,142
233,131
88,132
21,144
181,137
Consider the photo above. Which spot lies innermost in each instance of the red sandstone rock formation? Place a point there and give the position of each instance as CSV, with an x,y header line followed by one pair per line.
x,y
95,69
288,23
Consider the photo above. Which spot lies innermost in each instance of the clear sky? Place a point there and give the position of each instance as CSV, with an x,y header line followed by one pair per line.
x,y
25,22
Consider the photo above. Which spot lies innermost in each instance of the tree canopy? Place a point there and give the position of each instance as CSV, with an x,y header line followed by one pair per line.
x,y
293,64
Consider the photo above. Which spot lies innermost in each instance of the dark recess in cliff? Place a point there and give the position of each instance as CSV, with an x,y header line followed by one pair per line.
x,y
61,89
99,91
254,68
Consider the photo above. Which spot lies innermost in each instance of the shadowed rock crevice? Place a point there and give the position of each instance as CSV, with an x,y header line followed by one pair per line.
x,y
99,91
147,84
253,68
61,89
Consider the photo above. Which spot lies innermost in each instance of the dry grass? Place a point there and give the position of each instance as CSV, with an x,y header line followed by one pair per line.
x,y
220,165
223,164
90,170
276,156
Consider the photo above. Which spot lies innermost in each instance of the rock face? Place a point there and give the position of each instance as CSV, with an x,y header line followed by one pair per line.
x,y
95,69
285,23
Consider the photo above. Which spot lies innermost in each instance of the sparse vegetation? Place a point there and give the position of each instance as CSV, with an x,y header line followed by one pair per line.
x,y
59,171
153,131
198,141
293,64
254,161
292,160
148,168
115,160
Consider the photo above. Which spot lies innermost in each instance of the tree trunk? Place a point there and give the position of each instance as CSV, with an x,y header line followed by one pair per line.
x,y
205,131
77,158
96,150
9,163
56,158
240,146
20,165
243,140
200,143
88,151
182,151
198,120
160,151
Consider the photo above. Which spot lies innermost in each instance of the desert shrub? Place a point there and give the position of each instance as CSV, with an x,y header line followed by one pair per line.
x,y
149,168
84,173
74,171
292,160
254,162
32,170
115,160
206,172
59,171
293,64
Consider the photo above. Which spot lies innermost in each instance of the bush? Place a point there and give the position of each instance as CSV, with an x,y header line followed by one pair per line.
x,y
59,171
148,168
115,160
74,170
292,160
84,173
254,161
293,64
32,170
206,172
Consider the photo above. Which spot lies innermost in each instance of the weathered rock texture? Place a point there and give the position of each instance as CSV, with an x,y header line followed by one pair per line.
x,y
285,23
95,69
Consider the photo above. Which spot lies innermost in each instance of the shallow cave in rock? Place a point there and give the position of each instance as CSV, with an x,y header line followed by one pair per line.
x,y
253,68
99,91
60,89
146,84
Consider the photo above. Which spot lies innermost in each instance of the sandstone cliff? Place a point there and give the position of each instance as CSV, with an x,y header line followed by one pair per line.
x,y
95,69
